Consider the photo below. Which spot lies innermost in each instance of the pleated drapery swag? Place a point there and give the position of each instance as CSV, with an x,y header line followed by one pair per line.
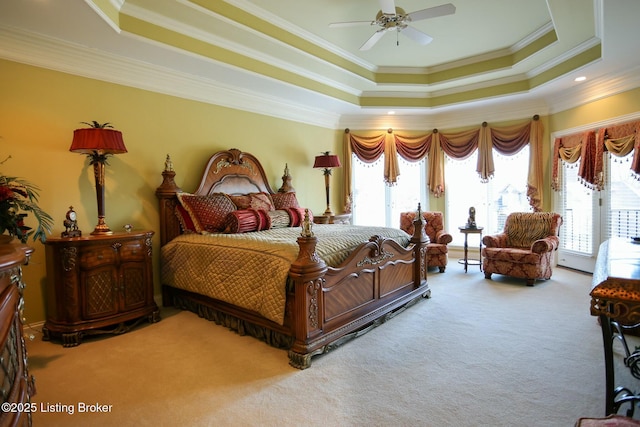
x,y
590,146
507,140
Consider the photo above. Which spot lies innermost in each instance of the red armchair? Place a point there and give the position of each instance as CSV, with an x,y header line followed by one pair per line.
x,y
525,248
437,249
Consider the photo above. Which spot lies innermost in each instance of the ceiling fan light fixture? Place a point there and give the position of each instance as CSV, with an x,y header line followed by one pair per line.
x,y
391,17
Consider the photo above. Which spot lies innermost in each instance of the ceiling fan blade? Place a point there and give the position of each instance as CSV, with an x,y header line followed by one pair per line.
x,y
417,36
350,24
388,7
432,12
373,39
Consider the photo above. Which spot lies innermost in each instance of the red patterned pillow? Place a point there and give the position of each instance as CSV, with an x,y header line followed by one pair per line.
x,y
258,201
285,200
186,223
208,213
245,220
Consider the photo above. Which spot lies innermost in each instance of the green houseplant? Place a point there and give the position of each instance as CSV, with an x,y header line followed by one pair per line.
x,y
18,199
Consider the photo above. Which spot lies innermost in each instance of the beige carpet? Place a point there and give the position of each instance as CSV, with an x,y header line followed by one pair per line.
x,y
478,353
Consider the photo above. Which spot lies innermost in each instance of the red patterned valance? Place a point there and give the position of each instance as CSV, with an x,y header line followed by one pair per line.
x,y
589,147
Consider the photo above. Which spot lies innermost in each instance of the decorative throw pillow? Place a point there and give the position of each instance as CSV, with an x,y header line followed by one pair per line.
x,y
208,213
186,223
285,200
246,220
280,218
258,201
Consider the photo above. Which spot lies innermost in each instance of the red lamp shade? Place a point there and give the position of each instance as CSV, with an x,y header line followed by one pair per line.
x,y
100,140
327,161
98,143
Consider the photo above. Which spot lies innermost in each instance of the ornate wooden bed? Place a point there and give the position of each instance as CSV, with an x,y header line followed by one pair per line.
x,y
325,305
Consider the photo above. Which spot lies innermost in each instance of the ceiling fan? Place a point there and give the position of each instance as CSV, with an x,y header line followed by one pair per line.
x,y
391,18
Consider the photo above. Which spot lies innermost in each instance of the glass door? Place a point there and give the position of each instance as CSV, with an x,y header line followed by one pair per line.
x,y
580,230
591,217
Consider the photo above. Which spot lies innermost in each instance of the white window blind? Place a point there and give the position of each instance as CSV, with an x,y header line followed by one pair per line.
x,y
577,228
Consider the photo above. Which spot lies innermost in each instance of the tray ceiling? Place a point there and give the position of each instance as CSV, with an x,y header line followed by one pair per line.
x,y
266,55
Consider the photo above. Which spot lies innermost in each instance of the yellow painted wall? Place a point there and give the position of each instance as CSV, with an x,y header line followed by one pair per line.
x,y
593,112
39,109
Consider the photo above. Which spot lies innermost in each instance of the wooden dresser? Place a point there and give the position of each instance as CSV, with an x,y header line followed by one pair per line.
x,y
98,285
16,385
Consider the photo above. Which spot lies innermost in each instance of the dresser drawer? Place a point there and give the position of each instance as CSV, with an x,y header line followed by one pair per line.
x,y
96,256
133,250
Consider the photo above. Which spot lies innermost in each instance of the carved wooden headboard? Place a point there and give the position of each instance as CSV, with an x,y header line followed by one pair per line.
x,y
233,172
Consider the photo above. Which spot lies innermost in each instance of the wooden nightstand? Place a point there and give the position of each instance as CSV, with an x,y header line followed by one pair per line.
x,y
343,218
98,285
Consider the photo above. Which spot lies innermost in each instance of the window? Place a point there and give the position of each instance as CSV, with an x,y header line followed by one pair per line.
x,y
375,203
506,192
577,200
623,216
591,217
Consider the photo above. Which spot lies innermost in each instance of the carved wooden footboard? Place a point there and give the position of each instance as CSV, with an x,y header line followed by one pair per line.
x,y
325,306
333,304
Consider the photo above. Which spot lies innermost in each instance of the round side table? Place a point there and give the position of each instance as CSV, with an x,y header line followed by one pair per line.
x,y
466,261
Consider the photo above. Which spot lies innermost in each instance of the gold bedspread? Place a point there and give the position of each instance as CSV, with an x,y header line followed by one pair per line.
x,y
250,270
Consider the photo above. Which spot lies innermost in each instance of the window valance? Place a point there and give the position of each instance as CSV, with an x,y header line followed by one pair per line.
x,y
507,140
589,147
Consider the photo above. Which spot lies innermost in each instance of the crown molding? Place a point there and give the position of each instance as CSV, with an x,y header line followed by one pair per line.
x,y
44,52
596,125
299,32
594,90
499,109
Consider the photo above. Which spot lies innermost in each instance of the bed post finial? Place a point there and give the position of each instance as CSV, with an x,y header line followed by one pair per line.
x,y
307,226
419,234
168,164
168,185
286,181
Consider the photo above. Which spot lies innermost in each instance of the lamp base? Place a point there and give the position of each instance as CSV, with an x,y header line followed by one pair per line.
x,y
328,212
97,232
101,229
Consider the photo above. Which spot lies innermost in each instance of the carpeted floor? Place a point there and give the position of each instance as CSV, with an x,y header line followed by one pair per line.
x,y
478,353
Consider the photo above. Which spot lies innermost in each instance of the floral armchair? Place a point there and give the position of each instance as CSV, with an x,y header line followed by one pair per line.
x,y
434,229
525,248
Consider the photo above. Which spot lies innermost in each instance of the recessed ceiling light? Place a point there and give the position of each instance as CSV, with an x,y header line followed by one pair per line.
x,y
391,113
580,79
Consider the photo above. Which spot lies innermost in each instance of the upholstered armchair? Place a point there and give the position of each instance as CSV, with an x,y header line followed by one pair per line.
x,y
434,229
525,248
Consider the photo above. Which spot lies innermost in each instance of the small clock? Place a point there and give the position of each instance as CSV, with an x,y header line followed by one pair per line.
x,y
71,224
